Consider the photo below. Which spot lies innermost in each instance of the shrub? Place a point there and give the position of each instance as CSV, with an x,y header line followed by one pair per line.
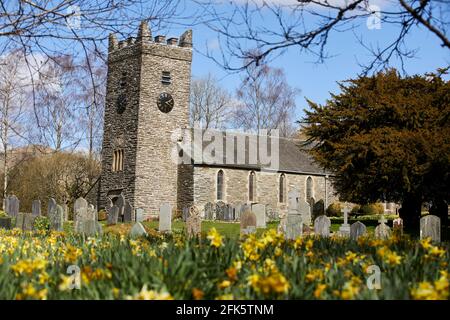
x,y
318,209
41,223
3,214
368,209
334,209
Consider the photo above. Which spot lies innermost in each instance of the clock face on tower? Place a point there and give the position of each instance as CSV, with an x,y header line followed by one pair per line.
x,y
165,102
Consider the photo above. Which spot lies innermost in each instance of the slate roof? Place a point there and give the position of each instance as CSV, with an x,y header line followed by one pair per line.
x,y
292,157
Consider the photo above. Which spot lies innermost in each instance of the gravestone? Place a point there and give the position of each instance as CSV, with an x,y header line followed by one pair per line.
x,y
305,211
318,209
12,206
220,210
271,214
51,206
92,214
382,231
36,208
260,212
344,229
113,215
294,226
357,230
193,223
248,222
66,212
209,211
56,217
430,227
322,226
128,212
91,228
165,218
139,212
20,220
397,225
28,222
138,230
228,216
294,221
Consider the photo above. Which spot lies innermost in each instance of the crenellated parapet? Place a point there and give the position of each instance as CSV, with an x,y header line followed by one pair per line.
x,y
144,38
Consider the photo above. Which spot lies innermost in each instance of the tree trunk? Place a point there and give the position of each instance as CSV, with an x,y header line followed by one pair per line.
x,y
410,213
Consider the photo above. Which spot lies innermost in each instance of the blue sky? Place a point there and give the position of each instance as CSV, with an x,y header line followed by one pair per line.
x,y
316,80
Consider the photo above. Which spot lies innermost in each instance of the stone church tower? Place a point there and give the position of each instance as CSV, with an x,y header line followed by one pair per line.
x,y
147,99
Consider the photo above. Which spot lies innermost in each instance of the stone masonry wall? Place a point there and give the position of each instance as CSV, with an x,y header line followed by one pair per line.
x,y
267,187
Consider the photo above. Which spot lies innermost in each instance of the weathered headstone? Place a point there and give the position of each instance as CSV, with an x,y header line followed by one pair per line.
x,y
13,206
294,226
322,226
220,210
56,217
113,215
382,231
248,222
51,206
430,227
20,218
294,221
128,212
357,230
305,211
344,229
193,223
91,228
28,222
209,211
138,230
139,212
165,218
260,211
36,208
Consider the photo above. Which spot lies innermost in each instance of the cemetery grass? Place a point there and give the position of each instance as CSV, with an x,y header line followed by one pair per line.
x,y
33,265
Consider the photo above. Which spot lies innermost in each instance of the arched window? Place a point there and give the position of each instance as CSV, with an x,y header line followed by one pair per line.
x,y
282,189
220,185
251,186
309,189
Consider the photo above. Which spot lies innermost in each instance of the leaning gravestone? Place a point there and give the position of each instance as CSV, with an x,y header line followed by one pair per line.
x,y
138,230
305,211
382,231
113,215
430,227
322,226
56,217
128,212
139,212
260,212
36,208
248,222
165,218
357,230
193,223
209,211
13,206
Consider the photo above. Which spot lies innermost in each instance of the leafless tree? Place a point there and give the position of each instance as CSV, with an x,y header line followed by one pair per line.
x,y
266,101
210,104
14,97
246,38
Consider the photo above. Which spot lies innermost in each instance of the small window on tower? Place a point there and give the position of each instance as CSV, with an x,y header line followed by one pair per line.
x,y
117,164
166,78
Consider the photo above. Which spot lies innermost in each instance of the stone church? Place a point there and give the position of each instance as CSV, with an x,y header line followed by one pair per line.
x,y
146,129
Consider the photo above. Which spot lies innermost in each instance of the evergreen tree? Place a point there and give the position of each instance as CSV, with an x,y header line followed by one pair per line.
x,y
387,138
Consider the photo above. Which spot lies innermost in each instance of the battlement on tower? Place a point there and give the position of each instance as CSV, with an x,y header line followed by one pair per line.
x,y
176,48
